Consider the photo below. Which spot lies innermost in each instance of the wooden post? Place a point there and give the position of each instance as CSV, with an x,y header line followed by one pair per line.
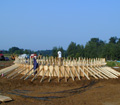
x,y
58,74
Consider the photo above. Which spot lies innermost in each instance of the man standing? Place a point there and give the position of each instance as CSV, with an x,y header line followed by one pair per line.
x,y
35,65
59,57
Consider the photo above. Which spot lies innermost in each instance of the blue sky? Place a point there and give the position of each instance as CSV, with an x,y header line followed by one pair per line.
x,y
43,24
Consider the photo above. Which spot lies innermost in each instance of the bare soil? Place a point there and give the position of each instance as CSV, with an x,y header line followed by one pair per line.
x,y
4,64
83,92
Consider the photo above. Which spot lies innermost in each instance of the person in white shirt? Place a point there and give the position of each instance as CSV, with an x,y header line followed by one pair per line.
x,y
59,56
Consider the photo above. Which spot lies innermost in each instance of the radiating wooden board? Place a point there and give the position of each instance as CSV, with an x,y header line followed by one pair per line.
x,y
5,98
7,69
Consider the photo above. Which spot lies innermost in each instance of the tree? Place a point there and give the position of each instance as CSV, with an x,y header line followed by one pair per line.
x,y
79,51
113,40
109,51
117,54
13,49
26,51
16,50
94,48
71,50
118,42
54,51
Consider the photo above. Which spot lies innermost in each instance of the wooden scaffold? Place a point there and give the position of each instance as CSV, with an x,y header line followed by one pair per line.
x,y
51,67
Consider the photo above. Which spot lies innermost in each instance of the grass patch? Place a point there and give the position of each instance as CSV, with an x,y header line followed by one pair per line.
x,y
113,63
118,64
4,62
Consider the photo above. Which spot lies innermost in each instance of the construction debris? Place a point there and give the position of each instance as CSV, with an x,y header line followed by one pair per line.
x,y
5,98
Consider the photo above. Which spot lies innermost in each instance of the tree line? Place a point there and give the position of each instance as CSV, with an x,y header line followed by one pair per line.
x,y
96,48
18,51
93,49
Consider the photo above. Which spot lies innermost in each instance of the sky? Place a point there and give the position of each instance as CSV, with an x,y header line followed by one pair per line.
x,y
44,24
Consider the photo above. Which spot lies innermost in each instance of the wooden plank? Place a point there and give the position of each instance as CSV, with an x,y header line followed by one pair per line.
x,y
65,73
44,75
102,74
91,73
114,71
8,69
54,71
14,72
36,75
99,74
4,69
19,73
77,72
108,73
102,71
114,76
111,71
62,71
26,74
7,72
50,73
71,73
84,73
94,72
59,74
30,74
5,98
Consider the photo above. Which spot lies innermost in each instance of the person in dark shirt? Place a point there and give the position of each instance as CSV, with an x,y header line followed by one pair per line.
x,y
35,65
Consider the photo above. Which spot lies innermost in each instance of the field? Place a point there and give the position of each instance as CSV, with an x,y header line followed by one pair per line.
x,y
83,92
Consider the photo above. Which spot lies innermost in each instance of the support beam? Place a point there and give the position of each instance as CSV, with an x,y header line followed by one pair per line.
x,y
26,74
36,75
84,73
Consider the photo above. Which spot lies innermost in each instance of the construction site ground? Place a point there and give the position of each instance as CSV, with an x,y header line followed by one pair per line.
x,y
83,92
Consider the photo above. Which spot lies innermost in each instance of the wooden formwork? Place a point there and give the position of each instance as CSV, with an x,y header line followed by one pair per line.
x,y
67,68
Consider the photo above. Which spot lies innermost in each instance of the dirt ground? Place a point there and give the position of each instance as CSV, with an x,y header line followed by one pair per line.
x,y
4,64
83,92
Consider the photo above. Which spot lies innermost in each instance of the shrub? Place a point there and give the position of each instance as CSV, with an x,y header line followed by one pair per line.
x,y
111,63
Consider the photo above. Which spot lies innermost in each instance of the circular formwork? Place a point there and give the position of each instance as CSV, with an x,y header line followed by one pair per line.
x,y
67,68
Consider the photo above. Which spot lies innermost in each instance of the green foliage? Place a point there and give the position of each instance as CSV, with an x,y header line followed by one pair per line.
x,y
26,51
55,51
96,48
118,64
45,52
93,48
118,42
18,51
113,40
13,49
79,51
75,50
71,51
111,63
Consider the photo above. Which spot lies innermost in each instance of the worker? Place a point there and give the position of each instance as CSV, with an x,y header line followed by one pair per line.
x,y
59,57
35,65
